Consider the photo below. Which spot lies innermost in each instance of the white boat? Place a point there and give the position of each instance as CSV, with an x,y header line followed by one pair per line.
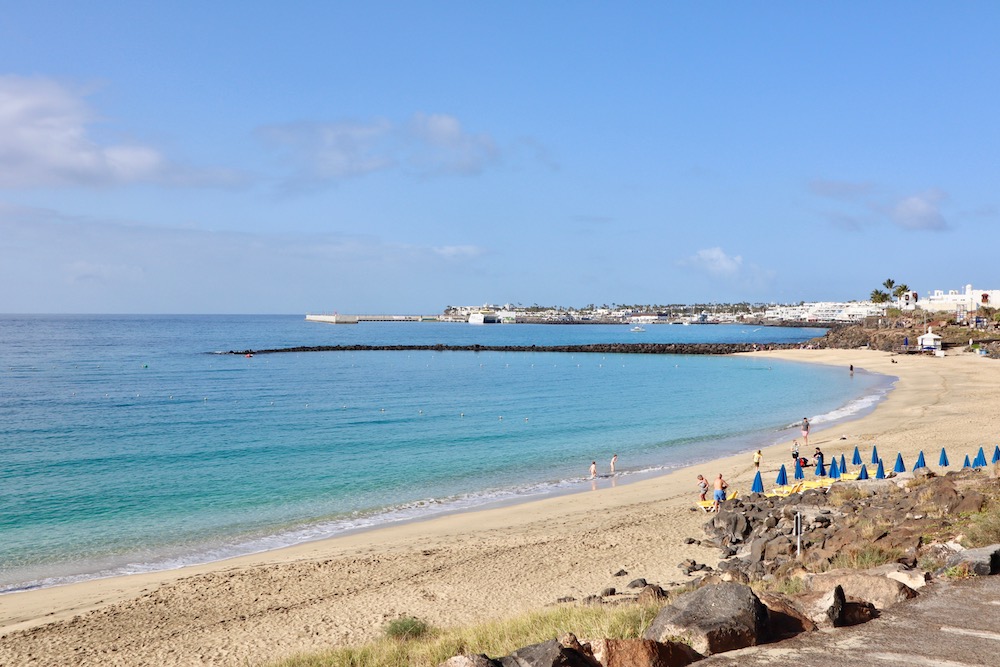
x,y
637,329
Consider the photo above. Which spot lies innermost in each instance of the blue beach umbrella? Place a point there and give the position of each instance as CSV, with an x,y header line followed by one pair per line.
x,y
834,469
782,476
920,462
967,464
863,474
980,461
820,468
856,461
880,473
758,484
996,454
798,470
875,458
943,461
900,466
843,463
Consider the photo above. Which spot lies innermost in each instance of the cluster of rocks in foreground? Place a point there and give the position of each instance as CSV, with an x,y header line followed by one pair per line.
x,y
757,542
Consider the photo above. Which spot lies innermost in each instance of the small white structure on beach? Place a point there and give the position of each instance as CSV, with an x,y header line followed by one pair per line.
x,y
929,341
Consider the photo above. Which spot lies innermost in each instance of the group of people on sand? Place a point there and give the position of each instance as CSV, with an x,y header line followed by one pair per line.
x,y
593,467
719,493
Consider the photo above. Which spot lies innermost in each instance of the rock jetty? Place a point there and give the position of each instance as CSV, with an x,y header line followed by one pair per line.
x,y
599,348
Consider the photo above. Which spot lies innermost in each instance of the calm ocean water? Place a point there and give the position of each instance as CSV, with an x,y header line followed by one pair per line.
x,y
127,444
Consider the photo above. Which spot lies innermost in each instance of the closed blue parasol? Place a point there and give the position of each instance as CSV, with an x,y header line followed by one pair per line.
x,y
943,461
920,462
967,464
758,484
782,476
880,473
996,454
875,458
820,468
834,469
863,474
900,466
843,463
980,461
798,470
856,460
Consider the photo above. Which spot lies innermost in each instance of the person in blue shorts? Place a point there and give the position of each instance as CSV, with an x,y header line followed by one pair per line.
x,y
720,491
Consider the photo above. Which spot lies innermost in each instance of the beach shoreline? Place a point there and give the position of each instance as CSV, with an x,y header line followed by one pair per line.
x,y
443,569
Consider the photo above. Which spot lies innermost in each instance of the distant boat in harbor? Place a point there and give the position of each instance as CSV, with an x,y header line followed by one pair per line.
x,y
637,329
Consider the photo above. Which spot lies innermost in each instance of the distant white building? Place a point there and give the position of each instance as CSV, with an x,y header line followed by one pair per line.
x,y
929,341
826,311
962,303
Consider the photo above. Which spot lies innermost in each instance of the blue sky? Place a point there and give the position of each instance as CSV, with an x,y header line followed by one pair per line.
x,y
400,157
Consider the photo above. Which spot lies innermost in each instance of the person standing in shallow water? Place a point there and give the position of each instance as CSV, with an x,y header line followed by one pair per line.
x,y
805,430
593,470
614,460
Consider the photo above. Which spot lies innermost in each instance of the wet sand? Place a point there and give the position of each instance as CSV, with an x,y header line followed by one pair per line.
x,y
477,565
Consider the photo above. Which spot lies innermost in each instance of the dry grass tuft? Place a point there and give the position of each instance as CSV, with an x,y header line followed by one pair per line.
x,y
627,621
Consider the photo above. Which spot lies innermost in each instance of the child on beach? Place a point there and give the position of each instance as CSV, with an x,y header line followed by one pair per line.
x,y
795,449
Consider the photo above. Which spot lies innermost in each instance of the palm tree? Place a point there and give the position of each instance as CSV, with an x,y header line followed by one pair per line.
x,y
878,296
888,284
900,290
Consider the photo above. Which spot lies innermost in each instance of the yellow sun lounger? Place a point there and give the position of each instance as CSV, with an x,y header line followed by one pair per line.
x,y
784,491
709,505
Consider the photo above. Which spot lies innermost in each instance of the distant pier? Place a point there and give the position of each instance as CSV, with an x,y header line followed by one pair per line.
x,y
336,318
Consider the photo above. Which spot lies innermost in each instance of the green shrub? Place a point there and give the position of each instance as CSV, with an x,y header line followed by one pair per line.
x,y
405,628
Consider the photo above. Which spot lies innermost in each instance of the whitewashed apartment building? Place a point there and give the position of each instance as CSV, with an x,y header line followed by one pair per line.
x,y
825,311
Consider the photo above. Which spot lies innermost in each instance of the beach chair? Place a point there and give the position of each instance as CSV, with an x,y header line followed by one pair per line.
x,y
709,505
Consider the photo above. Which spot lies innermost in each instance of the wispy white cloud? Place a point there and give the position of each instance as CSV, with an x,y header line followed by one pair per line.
x,y
459,251
718,265
426,145
78,264
715,261
920,212
45,140
860,205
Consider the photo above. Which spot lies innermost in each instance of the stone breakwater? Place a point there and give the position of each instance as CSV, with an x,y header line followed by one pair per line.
x,y
599,348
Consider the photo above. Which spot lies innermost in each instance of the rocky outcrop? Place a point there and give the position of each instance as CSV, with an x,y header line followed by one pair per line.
x,y
983,561
881,592
642,653
713,619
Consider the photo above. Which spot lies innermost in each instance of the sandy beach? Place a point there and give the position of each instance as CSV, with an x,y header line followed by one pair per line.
x,y
472,566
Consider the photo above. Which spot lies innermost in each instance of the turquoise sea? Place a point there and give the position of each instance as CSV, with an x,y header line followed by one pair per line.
x,y
128,444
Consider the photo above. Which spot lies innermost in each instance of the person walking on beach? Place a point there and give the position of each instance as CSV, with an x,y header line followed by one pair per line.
x,y
805,430
795,450
593,470
702,487
756,460
720,492
614,460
